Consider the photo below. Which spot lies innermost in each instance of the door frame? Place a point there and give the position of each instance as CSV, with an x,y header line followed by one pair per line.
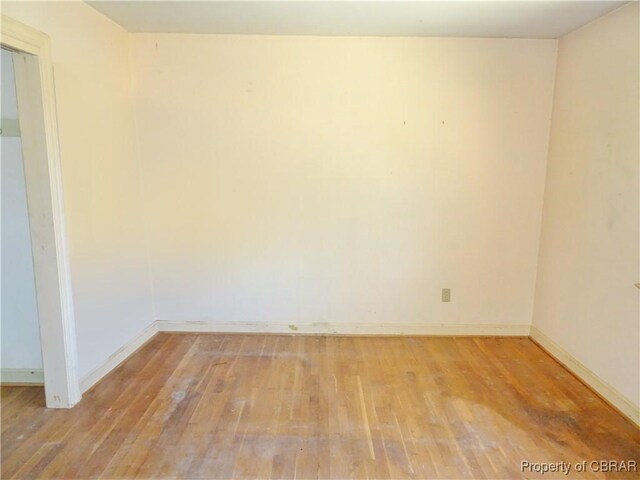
x,y
47,223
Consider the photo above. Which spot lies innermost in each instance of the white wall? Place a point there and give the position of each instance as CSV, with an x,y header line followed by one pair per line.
x,y
101,179
346,180
586,301
19,327
343,180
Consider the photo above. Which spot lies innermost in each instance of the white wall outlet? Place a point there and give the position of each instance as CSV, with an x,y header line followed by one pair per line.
x,y
446,294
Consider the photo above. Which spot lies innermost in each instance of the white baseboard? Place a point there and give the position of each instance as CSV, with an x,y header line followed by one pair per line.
x,y
22,375
344,329
609,393
117,358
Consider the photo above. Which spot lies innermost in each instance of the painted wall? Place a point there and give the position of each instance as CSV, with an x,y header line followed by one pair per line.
x,y
589,254
19,327
343,180
100,170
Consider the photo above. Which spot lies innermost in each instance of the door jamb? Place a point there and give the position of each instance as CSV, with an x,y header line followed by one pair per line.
x,y
51,265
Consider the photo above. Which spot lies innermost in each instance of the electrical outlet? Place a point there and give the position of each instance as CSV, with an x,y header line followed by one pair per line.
x,y
446,294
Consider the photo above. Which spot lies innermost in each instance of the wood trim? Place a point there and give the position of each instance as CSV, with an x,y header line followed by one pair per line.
x,y
92,378
358,329
592,381
46,210
21,376
20,37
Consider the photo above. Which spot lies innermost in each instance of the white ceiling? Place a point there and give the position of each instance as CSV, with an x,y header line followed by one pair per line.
x,y
508,19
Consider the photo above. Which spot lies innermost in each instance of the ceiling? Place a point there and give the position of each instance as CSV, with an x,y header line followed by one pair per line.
x,y
503,19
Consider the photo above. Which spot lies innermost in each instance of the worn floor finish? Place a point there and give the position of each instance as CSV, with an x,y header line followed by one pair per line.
x,y
242,406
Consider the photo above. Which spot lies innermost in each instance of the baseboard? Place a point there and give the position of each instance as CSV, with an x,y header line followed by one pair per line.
x,y
611,395
31,376
362,329
117,358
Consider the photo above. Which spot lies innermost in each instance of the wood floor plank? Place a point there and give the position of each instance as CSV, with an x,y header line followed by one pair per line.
x,y
284,407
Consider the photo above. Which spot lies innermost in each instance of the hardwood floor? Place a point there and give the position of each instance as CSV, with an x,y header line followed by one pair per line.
x,y
250,406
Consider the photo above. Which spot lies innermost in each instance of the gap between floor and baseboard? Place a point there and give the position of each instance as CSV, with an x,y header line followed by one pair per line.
x,y
593,382
608,393
22,376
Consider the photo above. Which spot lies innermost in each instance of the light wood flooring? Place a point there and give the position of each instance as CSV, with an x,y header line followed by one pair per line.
x,y
268,406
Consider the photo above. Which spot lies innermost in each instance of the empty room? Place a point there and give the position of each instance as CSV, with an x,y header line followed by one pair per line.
x,y
320,239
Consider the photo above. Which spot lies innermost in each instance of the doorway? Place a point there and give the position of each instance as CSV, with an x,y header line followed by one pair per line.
x,y
21,353
37,123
